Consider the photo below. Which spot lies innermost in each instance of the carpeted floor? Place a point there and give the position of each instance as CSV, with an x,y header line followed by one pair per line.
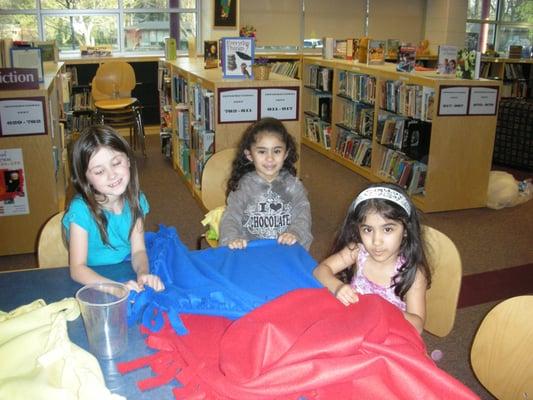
x,y
495,246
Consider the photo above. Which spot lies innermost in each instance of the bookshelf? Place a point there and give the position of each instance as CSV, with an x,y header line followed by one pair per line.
x,y
515,73
453,154
44,164
199,128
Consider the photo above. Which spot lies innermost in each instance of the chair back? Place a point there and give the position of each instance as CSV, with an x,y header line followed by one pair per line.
x,y
443,295
113,79
52,250
501,351
215,177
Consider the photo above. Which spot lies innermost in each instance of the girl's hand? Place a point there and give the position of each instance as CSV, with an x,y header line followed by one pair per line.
x,y
151,280
238,244
287,238
346,294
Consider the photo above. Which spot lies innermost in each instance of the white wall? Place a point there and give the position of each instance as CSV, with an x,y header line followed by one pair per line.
x,y
446,23
397,19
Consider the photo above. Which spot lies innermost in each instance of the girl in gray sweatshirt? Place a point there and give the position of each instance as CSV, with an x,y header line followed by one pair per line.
x,y
265,198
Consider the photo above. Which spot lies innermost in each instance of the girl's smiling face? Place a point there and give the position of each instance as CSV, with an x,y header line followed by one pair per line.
x,y
268,154
108,172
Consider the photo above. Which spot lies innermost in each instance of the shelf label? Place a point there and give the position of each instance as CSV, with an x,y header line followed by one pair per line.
x,y
453,100
483,100
238,105
280,103
22,116
13,191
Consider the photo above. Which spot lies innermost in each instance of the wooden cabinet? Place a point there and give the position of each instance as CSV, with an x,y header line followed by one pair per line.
x,y
44,165
199,129
458,155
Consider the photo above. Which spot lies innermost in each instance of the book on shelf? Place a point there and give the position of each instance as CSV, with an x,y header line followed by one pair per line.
x,y
210,54
376,52
428,104
346,49
515,51
418,178
447,60
392,49
238,57
416,144
468,64
406,59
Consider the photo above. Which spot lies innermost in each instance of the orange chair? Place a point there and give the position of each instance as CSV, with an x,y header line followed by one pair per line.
x,y
111,94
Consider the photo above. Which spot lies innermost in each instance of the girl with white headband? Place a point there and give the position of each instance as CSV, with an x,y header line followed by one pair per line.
x,y
379,250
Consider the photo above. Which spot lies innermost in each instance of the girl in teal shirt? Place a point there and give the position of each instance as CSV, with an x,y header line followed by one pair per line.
x,y
104,223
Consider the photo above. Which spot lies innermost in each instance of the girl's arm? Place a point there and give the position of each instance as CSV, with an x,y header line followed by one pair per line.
x,y
301,217
415,299
139,260
326,270
78,245
231,229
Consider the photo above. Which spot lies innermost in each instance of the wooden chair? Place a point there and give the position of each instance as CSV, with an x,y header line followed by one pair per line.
x,y
215,176
52,250
442,297
501,351
111,93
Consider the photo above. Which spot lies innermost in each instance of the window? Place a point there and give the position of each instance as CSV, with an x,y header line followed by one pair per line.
x,y
500,24
125,25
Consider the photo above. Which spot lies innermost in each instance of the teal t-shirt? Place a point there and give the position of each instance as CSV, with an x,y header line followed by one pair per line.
x,y
118,228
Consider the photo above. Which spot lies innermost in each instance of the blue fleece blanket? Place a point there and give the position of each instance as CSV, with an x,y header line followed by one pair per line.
x,y
217,281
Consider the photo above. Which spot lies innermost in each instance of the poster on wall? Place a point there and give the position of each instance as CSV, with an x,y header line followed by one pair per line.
x,y
225,13
22,116
13,192
280,103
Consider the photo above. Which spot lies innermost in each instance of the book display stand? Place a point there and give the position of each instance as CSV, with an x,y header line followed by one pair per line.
x,y
433,136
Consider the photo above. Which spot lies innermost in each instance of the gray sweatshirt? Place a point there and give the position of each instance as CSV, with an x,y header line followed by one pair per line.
x,y
262,210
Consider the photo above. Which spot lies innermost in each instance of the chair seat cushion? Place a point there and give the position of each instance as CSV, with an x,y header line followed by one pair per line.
x,y
115,104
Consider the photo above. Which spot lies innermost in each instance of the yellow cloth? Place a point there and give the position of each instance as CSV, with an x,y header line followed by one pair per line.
x,y
212,219
40,362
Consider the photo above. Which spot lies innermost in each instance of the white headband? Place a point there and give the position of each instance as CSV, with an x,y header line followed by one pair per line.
x,y
380,192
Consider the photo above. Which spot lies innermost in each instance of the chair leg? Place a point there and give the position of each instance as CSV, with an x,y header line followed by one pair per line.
x,y
199,241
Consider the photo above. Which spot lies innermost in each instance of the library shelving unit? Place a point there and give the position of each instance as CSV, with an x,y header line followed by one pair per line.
x,y
515,73
198,127
44,163
442,160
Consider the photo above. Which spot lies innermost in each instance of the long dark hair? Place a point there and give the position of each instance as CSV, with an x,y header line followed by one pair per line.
x,y
91,140
241,165
412,247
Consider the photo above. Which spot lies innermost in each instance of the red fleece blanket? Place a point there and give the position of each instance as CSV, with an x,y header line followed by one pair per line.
x,y
304,344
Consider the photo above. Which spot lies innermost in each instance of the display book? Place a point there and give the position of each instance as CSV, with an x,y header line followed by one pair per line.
x,y
317,116
447,60
210,54
237,54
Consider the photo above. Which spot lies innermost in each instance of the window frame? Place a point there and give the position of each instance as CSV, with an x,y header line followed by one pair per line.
x,y
120,12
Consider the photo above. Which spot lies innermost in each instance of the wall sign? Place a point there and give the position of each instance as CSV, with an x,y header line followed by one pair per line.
x,y
238,105
483,100
453,100
22,116
280,103
13,191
